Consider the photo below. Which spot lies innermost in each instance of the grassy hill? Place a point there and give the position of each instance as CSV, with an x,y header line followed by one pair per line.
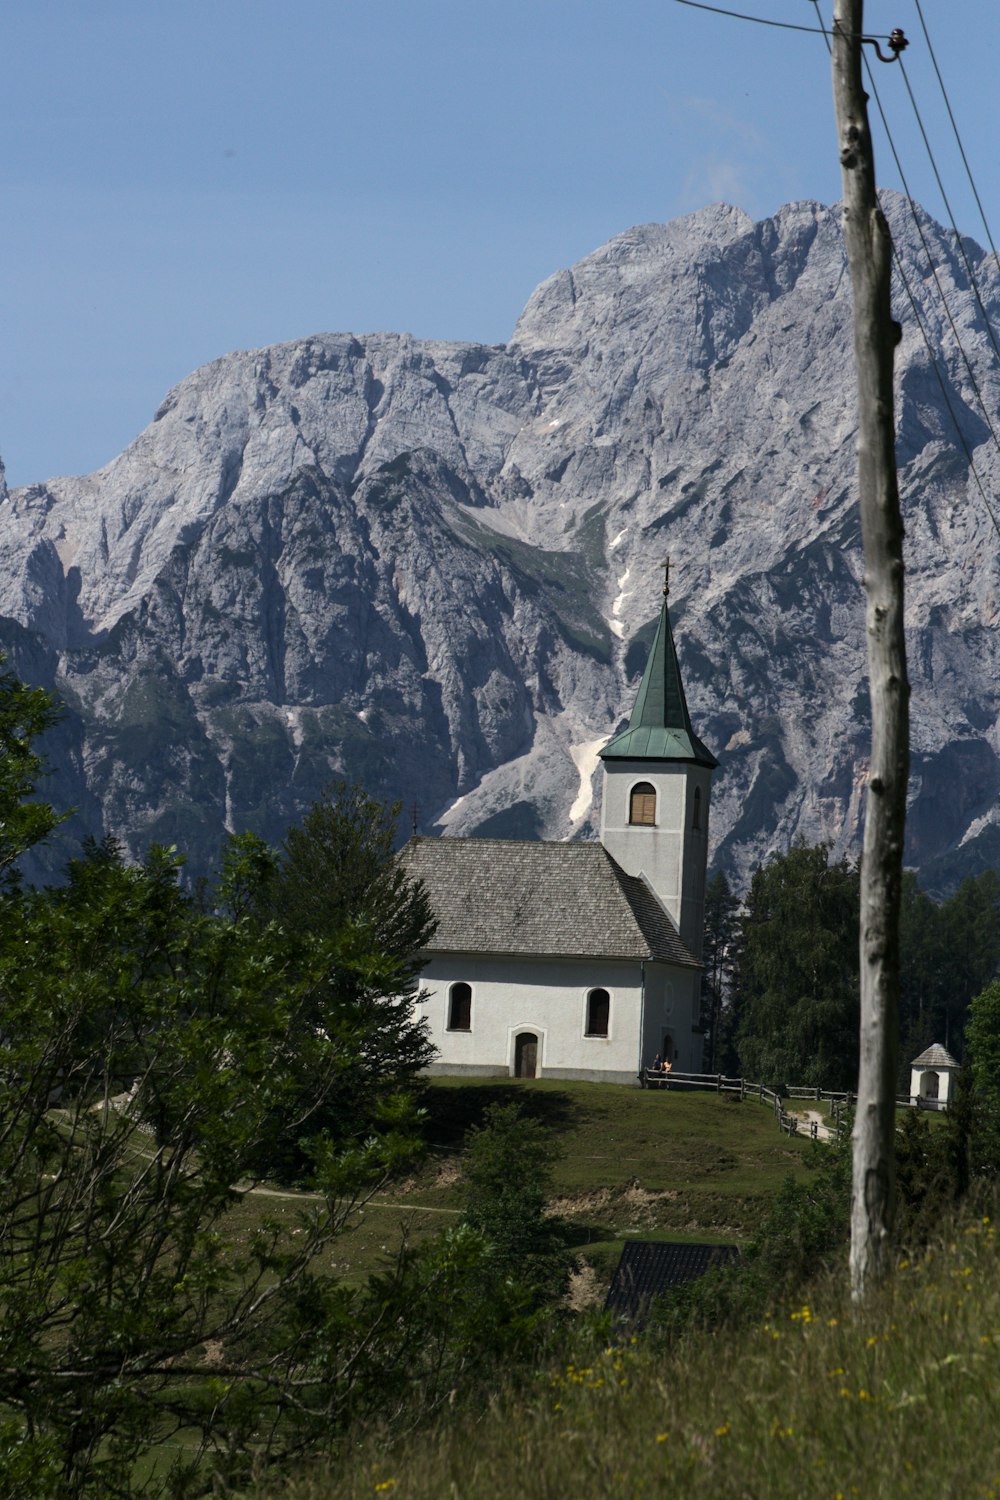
x,y
814,1399
898,1399
626,1161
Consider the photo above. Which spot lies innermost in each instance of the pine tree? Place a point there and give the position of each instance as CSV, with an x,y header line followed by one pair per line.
x,y
721,909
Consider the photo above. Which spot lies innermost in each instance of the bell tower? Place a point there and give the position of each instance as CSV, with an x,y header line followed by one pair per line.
x,y
657,787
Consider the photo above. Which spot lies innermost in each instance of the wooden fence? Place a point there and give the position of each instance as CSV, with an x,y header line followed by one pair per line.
x,y
841,1101
718,1083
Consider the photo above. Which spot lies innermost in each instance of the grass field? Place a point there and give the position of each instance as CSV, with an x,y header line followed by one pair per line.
x,y
626,1161
813,1399
895,1400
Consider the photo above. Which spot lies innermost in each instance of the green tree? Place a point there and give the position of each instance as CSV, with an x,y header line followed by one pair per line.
x,y
721,910
798,971
983,1041
337,869
25,713
983,1037
145,1051
354,927
507,1180
923,962
149,1045
948,952
482,1294
970,952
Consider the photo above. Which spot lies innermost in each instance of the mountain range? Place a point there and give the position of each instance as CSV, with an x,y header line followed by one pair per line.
x,y
435,568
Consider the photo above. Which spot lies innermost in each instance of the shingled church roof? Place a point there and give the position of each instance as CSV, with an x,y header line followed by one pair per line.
x,y
506,896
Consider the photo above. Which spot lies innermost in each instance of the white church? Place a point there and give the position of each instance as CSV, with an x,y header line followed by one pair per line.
x,y
581,960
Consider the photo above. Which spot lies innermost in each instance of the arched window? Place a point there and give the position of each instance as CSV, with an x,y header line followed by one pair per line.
x,y
696,814
642,804
460,1007
598,1012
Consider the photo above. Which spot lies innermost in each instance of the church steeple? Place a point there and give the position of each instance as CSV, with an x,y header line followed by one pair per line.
x,y
660,726
656,789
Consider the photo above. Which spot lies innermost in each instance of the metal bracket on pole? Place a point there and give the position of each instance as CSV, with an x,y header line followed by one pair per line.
x,y
897,44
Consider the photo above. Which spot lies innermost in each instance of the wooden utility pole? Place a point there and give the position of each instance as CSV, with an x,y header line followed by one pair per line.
x,y
875,336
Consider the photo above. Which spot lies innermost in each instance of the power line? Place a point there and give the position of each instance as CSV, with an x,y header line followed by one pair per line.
x,y
739,15
947,309
917,315
958,138
822,30
973,282
935,364
822,25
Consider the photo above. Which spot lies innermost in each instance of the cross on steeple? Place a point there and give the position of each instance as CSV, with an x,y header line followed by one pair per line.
x,y
666,575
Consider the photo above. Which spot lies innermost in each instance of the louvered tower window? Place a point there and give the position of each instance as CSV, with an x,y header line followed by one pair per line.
x,y
642,804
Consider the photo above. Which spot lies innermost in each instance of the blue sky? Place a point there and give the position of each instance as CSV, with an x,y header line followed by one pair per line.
x,y
182,179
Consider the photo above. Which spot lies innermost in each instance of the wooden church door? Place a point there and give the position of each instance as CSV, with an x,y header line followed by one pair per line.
x,y
525,1055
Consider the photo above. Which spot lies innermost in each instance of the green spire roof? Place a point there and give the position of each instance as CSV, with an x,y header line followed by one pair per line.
x,y
660,726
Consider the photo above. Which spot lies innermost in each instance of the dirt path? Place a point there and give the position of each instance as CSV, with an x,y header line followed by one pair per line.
x,y
809,1117
409,1208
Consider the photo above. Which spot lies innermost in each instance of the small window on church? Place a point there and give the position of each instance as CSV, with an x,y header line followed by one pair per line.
x,y
598,1012
696,815
460,1007
642,804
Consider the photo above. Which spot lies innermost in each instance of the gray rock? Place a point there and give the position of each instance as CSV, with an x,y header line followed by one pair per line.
x,y
435,567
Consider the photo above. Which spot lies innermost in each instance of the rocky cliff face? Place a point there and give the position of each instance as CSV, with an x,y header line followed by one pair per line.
x,y
435,567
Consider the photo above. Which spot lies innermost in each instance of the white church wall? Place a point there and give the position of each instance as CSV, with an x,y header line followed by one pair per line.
x,y
545,996
548,997
672,1009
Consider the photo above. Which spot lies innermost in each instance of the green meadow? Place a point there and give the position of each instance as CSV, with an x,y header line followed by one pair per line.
x,y
627,1162
816,1401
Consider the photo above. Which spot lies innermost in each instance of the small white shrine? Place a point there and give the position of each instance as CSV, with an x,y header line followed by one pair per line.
x,y
933,1078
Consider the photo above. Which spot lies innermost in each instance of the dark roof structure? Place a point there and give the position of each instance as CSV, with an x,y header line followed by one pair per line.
x,y
660,726
935,1057
505,896
646,1270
